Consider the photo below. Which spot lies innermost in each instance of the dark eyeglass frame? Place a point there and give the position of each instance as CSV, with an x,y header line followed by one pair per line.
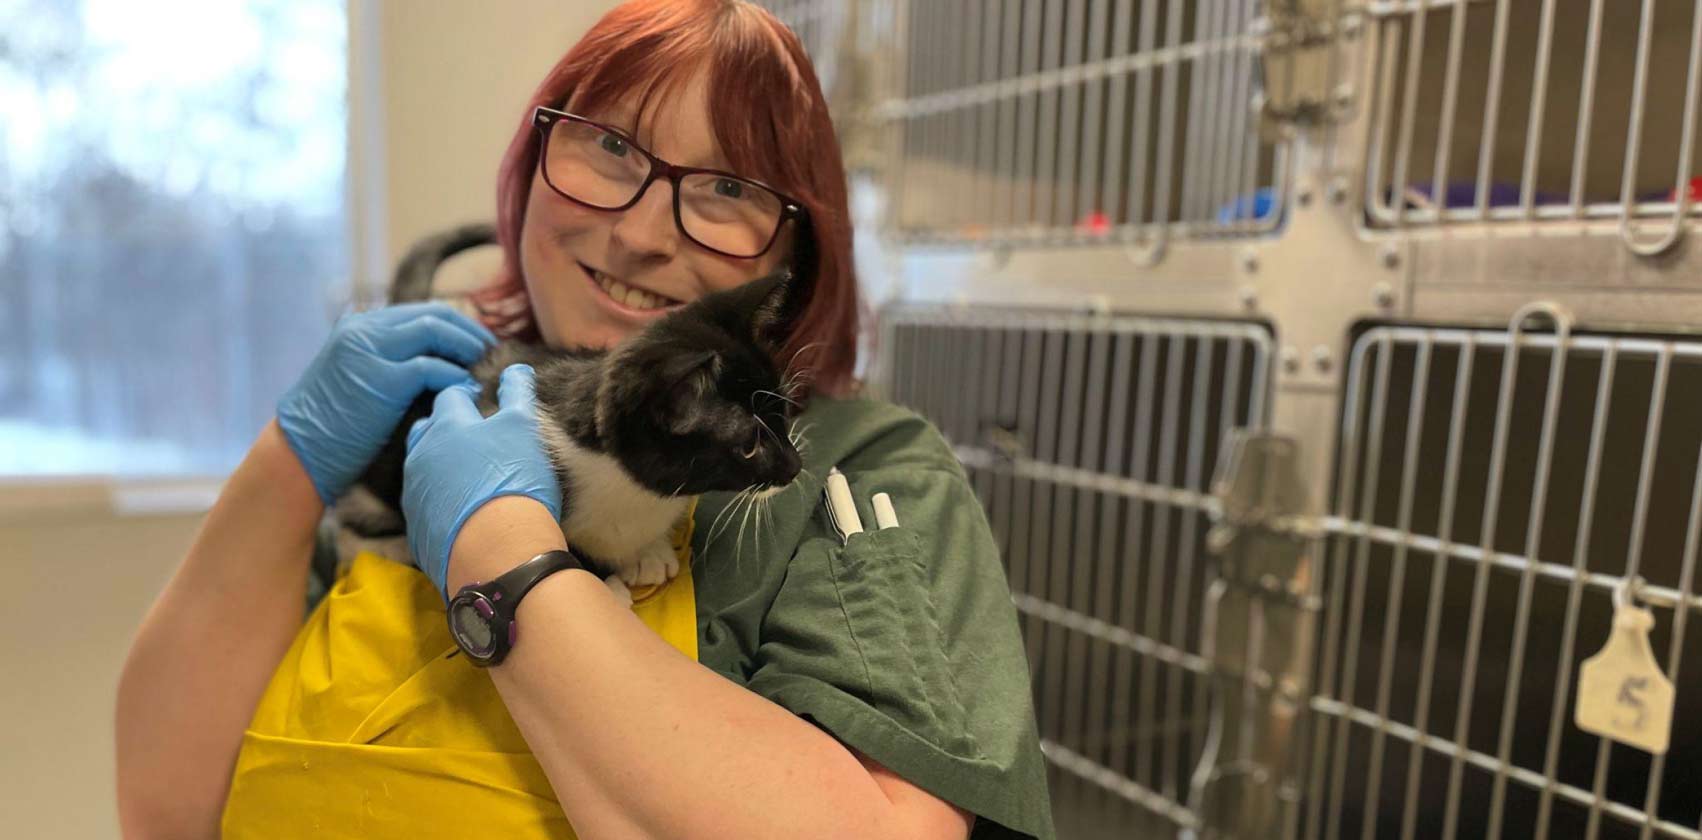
x,y
545,118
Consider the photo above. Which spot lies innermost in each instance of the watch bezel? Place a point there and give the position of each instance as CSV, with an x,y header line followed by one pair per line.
x,y
469,600
494,604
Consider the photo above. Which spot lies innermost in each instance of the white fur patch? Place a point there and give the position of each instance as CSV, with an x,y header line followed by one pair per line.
x,y
610,516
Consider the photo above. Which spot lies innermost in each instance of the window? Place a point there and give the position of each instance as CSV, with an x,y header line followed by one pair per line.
x,y
172,225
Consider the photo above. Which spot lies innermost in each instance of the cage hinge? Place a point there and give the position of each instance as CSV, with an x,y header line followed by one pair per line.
x,y
1260,612
1295,81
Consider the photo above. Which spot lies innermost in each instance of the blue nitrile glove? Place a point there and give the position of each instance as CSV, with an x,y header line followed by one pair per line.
x,y
342,410
459,460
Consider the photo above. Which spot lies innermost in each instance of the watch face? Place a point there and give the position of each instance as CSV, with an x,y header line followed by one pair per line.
x,y
472,628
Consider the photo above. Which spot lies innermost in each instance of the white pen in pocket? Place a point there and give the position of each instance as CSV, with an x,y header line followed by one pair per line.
x,y
840,507
885,516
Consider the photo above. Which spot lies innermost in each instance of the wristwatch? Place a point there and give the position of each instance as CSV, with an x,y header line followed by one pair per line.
x,y
481,615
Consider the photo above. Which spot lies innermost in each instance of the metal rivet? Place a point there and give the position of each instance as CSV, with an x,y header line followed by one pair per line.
x,y
1338,190
1249,260
1391,257
1321,358
1249,297
1303,198
1383,295
1290,360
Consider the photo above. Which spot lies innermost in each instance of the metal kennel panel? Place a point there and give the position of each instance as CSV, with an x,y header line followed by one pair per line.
x,y
1495,489
1047,122
1560,110
1089,439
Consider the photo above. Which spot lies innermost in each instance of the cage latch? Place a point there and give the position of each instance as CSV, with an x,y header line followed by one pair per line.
x,y
1259,615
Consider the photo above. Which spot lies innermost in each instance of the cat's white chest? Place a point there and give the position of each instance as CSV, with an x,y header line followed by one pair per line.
x,y
610,517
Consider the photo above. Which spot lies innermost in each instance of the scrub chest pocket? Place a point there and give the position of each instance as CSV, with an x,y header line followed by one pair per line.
x,y
890,619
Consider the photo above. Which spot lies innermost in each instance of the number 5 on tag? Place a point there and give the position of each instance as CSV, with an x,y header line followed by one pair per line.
x,y
1622,692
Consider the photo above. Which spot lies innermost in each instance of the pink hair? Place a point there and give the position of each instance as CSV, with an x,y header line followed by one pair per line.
x,y
769,117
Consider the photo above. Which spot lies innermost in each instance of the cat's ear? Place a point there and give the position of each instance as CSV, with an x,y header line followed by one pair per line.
x,y
779,308
687,377
696,369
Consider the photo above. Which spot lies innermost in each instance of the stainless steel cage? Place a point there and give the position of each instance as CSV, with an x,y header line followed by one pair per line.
x,y
1479,120
1530,537
1089,440
1473,291
1023,123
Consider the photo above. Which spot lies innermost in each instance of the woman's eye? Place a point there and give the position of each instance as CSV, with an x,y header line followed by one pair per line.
x,y
729,188
613,145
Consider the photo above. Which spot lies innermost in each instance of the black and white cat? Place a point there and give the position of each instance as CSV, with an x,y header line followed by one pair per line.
x,y
694,403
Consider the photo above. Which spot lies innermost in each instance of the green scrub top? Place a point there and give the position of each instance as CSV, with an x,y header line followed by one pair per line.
x,y
901,643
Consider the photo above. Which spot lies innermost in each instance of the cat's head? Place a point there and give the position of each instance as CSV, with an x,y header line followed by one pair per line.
x,y
695,403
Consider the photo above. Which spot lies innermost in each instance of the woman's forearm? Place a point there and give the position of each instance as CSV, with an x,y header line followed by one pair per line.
x,y
640,741
209,645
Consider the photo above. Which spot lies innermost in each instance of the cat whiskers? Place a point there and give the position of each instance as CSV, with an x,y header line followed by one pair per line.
x,y
798,378
814,345
796,437
796,382
788,400
724,518
751,504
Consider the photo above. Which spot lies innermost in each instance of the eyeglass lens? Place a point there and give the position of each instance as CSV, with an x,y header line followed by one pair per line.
x,y
601,169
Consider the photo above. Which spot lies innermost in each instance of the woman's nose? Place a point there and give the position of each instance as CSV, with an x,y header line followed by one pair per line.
x,y
646,231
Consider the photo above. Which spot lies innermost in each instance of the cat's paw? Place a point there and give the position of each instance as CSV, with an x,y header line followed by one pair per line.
x,y
619,590
655,565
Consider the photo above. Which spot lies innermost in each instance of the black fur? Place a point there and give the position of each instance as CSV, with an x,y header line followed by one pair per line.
x,y
692,404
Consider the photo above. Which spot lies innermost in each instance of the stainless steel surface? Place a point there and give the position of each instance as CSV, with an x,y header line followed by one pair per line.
x,y
1535,384
974,167
1262,608
1417,415
1542,141
1094,481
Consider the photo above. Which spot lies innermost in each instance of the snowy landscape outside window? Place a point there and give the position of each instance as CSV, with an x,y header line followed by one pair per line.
x,y
173,242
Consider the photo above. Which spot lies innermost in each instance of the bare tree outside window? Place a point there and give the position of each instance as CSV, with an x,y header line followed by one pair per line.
x,y
172,225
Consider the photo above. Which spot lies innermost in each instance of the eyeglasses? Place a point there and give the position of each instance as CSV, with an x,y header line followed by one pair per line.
x,y
599,167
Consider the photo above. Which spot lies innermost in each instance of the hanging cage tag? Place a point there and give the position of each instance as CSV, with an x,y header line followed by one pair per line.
x,y
1622,692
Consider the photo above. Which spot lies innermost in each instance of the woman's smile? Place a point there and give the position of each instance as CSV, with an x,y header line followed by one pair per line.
x,y
628,298
636,263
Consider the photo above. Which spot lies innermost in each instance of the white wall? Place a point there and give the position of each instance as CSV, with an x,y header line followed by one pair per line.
x,y
436,90
455,79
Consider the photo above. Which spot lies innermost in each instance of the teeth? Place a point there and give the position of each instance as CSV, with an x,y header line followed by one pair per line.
x,y
627,295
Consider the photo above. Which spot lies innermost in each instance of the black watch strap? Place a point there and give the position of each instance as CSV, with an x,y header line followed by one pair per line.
x,y
481,615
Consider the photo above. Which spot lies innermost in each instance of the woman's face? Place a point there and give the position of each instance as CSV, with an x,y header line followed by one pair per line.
x,y
579,263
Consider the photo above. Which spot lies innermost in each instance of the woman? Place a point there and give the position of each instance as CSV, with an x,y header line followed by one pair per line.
x,y
870,688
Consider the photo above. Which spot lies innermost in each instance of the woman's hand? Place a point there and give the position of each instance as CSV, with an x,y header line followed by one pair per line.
x,y
347,404
458,460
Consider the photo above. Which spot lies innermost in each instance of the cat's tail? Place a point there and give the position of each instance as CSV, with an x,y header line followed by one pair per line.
x,y
414,274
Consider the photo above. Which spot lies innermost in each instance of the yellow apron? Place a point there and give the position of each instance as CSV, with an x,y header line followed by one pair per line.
x,y
370,728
